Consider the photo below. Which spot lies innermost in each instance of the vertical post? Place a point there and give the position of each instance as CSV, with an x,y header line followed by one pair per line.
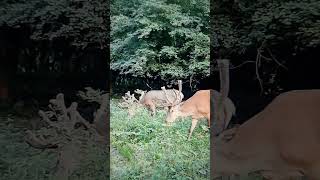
x,y
223,65
216,109
180,90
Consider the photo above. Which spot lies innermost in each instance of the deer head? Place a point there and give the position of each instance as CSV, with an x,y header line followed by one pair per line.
x,y
178,96
174,105
173,114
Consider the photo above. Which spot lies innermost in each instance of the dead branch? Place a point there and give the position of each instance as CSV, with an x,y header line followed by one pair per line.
x,y
258,59
148,86
240,65
180,91
224,90
281,65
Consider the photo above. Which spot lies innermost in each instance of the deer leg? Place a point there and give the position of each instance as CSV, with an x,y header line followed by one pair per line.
x,y
208,118
153,109
193,125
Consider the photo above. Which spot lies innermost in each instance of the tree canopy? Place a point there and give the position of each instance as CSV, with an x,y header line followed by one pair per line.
x,y
240,25
82,23
160,38
171,39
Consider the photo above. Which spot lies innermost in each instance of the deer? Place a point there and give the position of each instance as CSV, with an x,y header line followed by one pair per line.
x,y
281,142
160,98
198,107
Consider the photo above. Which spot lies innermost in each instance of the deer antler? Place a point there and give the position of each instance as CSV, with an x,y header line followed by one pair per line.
x,y
180,90
177,96
39,143
165,92
138,91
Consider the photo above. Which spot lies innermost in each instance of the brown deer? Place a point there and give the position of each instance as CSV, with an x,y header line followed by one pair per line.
x,y
198,106
161,98
281,142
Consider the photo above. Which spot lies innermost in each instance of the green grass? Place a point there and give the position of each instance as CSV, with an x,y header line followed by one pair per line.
x,y
142,148
20,161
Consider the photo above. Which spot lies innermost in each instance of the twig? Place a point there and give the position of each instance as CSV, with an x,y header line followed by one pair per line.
x,y
258,59
235,67
266,58
190,83
246,62
276,60
148,86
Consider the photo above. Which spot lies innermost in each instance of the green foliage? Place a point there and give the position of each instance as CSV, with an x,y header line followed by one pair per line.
x,y
242,25
82,23
142,148
167,39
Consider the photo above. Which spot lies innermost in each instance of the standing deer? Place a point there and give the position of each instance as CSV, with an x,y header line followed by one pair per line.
x,y
198,106
281,141
161,98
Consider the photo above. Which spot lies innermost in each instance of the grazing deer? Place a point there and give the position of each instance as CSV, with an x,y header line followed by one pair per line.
x,y
160,98
198,106
281,141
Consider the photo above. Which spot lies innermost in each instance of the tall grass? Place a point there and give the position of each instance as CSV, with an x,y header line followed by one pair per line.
x,y
142,148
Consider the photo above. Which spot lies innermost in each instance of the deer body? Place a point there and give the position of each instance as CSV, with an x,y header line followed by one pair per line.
x,y
198,106
158,98
281,141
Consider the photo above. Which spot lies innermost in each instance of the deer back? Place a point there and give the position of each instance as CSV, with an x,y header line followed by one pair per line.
x,y
283,138
158,97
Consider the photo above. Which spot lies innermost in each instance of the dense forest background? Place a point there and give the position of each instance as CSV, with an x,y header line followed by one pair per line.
x,y
273,46
51,46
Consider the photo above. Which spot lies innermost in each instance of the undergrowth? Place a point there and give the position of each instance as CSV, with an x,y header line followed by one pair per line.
x,y
20,161
142,148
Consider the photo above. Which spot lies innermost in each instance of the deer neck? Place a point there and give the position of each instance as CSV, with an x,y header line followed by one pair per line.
x,y
185,110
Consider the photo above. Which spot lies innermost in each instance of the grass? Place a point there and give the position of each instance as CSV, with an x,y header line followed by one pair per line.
x,y
20,161
142,148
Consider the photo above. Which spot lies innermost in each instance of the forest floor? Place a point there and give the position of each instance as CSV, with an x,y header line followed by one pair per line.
x,y
20,161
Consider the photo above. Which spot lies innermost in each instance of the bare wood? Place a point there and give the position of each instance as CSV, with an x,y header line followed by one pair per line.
x,y
224,90
180,91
